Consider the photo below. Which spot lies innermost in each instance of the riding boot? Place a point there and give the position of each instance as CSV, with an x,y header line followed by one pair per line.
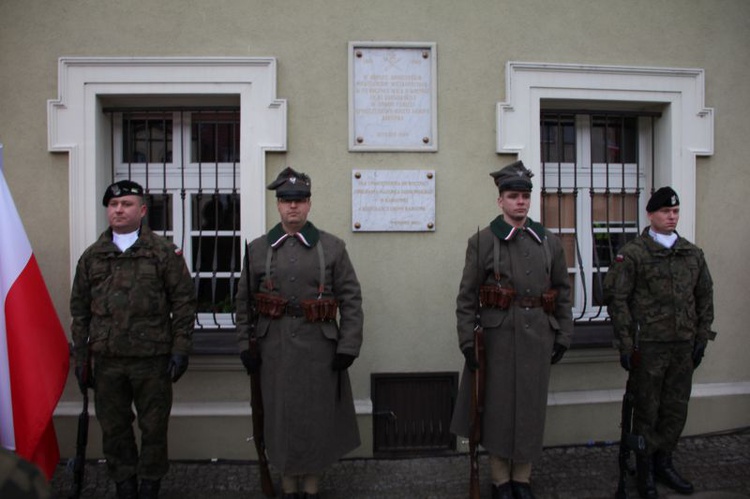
x,y
665,473
521,490
149,489
127,489
502,491
644,465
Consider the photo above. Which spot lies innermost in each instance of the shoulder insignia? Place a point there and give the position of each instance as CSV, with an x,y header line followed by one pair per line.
x,y
178,251
619,258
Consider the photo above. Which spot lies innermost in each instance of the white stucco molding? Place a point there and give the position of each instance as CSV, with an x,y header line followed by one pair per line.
x,y
686,129
76,123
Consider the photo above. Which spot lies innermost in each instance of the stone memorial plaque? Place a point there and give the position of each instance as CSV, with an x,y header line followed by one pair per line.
x,y
393,200
392,97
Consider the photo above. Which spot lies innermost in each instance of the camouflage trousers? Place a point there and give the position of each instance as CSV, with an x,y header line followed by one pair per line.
x,y
663,381
124,382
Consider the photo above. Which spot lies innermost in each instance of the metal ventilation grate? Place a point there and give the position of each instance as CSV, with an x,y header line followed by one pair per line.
x,y
412,413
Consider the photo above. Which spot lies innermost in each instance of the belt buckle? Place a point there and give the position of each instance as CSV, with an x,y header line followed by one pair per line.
x,y
526,302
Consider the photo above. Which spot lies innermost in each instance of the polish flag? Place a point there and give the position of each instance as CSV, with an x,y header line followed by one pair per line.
x,y
34,354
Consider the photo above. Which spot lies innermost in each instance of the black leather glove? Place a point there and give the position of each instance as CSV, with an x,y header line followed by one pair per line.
x,y
178,364
471,361
699,349
251,362
84,384
558,351
342,361
626,361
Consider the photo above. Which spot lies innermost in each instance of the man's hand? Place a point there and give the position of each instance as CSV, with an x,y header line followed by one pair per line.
x,y
85,379
178,364
558,351
251,362
626,361
471,360
342,361
699,349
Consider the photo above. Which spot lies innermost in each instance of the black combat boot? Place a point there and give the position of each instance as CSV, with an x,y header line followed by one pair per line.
x,y
149,489
664,472
644,467
310,496
521,490
127,489
502,491
290,495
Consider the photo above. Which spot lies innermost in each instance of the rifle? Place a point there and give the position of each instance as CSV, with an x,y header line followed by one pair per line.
x,y
79,462
256,393
477,395
628,441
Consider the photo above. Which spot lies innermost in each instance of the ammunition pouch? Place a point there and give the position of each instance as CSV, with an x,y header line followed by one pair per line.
x,y
320,310
549,300
272,306
493,296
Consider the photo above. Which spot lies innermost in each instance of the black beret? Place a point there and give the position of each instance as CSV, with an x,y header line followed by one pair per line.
x,y
664,197
122,188
514,177
291,185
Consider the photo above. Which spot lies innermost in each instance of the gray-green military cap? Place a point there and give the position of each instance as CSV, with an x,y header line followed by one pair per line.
x,y
514,177
291,184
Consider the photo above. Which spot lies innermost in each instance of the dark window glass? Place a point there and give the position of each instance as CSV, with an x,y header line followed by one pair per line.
x,y
215,295
159,213
614,139
215,254
146,138
216,211
215,137
558,139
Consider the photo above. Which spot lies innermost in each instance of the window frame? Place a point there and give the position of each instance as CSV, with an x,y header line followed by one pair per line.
x,y
685,131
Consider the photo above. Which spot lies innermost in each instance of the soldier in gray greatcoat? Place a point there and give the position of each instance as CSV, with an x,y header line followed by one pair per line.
x,y
519,269
133,310
659,294
300,277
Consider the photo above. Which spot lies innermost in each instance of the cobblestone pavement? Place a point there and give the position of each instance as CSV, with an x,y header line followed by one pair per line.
x,y
718,465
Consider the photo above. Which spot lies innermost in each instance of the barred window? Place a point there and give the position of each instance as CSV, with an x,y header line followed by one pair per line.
x,y
595,170
187,161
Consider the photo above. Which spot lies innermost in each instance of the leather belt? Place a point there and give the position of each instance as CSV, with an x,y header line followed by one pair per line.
x,y
528,301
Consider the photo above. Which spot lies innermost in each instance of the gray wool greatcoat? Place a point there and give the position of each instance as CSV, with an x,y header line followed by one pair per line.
x,y
310,420
518,341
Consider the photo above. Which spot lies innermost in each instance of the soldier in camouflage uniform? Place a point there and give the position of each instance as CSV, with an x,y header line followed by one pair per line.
x,y
20,479
133,310
660,299
299,277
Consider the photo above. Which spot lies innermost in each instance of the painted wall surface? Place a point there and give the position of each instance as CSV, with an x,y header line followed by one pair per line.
x,y
409,280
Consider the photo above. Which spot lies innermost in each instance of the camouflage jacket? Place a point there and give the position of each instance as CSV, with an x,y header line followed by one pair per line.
x,y
663,294
135,303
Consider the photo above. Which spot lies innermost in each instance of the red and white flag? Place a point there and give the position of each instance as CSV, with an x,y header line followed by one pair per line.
x,y
34,356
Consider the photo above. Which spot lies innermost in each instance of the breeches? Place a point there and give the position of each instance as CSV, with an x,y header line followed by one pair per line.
x,y
124,382
663,380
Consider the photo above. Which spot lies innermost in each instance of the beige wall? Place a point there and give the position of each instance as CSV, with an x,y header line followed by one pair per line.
x,y
409,280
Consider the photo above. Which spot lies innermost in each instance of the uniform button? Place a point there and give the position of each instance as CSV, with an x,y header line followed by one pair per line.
x,y
528,291
528,272
292,279
526,254
526,326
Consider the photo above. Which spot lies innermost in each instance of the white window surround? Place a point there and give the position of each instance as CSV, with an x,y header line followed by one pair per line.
x,y
685,130
77,125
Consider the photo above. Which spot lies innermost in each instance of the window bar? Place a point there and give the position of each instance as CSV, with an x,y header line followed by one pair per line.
x,y
149,138
597,265
112,145
623,190
198,198
165,197
233,206
130,153
215,262
579,256
596,273
183,200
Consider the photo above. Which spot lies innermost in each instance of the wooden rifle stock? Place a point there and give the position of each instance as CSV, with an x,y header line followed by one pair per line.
x,y
477,408
256,393
82,438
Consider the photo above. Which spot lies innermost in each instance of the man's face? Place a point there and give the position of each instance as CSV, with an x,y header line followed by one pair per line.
x,y
293,213
125,213
664,220
515,206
